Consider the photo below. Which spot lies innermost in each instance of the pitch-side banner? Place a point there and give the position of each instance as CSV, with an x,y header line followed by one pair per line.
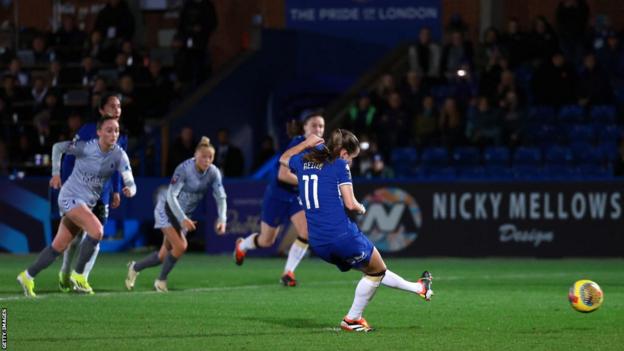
x,y
385,22
500,219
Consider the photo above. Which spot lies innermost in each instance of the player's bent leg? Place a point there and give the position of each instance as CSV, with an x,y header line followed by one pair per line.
x,y
68,256
153,259
27,278
84,218
264,239
178,247
297,250
101,212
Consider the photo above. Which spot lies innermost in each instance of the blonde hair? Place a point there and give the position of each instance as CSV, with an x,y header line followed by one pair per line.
x,y
205,142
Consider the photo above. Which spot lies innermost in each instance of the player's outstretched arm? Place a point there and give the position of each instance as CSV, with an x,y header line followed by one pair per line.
x,y
346,191
311,141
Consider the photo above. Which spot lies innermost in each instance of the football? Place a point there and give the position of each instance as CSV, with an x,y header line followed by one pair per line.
x,y
585,296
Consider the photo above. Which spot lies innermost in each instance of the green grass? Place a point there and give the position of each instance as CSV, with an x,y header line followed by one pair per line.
x,y
480,304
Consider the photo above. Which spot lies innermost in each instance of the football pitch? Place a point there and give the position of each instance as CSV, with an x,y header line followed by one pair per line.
x,y
479,304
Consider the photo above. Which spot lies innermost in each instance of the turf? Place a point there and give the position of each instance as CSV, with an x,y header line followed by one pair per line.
x,y
480,304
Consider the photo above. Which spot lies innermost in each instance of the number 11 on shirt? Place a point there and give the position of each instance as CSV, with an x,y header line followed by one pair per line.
x,y
306,182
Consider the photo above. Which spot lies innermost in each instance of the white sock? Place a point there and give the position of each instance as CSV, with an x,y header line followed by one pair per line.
x,y
393,280
295,255
91,262
249,243
68,255
364,292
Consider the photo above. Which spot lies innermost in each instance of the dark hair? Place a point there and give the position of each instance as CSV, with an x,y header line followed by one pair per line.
x,y
311,114
294,128
104,99
103,120
339,139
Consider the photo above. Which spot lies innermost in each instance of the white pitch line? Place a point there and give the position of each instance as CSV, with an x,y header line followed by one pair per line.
x,y
262,286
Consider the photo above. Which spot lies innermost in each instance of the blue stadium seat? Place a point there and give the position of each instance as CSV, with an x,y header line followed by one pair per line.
x,y
571,113
578,148
608,133
527,172
466,156
404,160
580,133
602,114
593,172
476,172
527,156
559,171
434,157
558,156
499,172
591,157
542,113
496,156
443,173
610,150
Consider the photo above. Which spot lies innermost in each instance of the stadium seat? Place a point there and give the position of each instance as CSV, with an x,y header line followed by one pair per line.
x,y
498,172
475,172
608,133
571,113
527,172
442,173
542,113
558,171
591,157
404,160
527,156
558,156
496,156
610,151
593,172
602,114
467,156
580,133
434,157
578,148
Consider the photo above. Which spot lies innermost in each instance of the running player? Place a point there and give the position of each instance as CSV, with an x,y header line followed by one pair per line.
x,y
191,180
110,106
96,161
325,185
280,204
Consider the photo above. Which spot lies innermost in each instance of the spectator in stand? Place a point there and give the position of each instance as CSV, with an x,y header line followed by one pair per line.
x,y
451,124
88,72
15,69
133,109
95,49
40,51
74,122
198,20
67,39
490,77
412,92
393,127
572,20
425,126
362,116
183,76
554,83
54,110
121,65
99,86
593,86
39,92
229,157
54,75
426,61
514,116
514,43
464,86
267,150
385,86
611,59
507,84
116,23
490,49
484,128
455,54
44,138
24,151
183,143
379,170
542,40
10,91
160,91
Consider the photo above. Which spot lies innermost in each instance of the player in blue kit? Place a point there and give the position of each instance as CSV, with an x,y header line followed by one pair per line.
x,y
326,189
96,161
280,204
110,106
190,182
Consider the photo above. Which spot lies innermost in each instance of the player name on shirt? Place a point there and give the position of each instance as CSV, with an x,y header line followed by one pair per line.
x,y
312,165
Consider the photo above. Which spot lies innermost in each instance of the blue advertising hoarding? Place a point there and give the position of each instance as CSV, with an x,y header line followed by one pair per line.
x,y
386,22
